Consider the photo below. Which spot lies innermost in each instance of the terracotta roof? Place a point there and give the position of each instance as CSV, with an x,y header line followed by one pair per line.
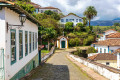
x,y
19,10
62,37
110,30
72,14
103,56
34,4
116,51
50,7
109,42
113,35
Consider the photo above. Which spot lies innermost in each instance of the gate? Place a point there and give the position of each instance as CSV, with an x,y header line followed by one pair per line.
x,y
2,73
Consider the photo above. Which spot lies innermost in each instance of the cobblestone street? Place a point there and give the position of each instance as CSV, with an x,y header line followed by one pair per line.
x,y
58,67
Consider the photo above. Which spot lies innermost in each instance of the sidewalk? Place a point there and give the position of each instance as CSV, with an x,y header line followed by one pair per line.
x,y
89,71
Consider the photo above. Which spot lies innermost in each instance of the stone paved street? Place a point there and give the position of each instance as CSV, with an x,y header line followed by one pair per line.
x,y
58,67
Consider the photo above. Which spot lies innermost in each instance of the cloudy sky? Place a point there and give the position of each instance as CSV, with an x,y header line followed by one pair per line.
x,y
107,9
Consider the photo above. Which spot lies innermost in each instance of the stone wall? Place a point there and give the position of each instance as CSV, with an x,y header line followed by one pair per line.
x,y
106,71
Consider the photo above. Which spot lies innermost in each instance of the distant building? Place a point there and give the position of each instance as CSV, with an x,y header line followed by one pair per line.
x,y
71,17
43,9
105,58
103,37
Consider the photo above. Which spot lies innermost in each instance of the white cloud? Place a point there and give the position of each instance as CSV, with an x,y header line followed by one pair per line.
x,y
107,9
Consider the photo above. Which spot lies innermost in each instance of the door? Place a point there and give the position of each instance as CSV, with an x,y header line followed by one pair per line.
x,y
63,44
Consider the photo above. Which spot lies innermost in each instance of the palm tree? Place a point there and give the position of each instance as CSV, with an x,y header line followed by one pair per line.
x,y
90,13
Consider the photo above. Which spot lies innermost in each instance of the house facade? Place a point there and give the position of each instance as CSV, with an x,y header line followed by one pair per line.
x,y
105,33
43,9
19,43
105,58
71,17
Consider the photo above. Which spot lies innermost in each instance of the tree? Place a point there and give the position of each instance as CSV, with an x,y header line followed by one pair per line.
x,y
116,24
91,50
49,34
69,27
81,26
48,12
27,7
85,22
90,13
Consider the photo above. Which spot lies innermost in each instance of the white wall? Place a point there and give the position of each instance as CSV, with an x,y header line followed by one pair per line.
x,y
102,47
13,18
71,17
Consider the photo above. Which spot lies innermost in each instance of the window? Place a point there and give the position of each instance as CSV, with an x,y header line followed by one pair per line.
x,y
79,20
107,63
62,20
66,20
104,50
41,11
100,50
13,46
35,40
76,20
29,42
112,51
71,20
26,43
20,44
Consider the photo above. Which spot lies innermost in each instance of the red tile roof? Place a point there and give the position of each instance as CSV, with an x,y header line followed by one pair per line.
x,y
116,51
103,56
34,4
72,14
113,35
50,7
110,30
109,42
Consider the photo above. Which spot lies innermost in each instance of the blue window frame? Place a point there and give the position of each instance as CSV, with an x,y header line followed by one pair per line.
x,y
76,20
20,44
13,45
80,20
29,42
100,50
104,50
62,20
35,40
66,20
26,43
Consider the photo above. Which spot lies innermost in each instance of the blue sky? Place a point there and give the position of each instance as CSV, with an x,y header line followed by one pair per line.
x,y
107,9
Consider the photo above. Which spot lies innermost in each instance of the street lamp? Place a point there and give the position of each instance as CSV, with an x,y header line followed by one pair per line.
x,y
22,19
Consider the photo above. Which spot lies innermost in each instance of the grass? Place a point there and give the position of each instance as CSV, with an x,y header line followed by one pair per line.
x,y
45,51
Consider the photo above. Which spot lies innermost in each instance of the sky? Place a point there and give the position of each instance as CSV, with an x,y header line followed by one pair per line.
x,y
107,9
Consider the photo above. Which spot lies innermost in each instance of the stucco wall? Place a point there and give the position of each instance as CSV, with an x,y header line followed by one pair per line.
x,y
13,18
113,63
108,72
71,17
101,47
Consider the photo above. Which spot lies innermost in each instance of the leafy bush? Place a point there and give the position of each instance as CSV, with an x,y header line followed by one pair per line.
x,y
72,42
71,35
75,42
69,24
91,50
88,40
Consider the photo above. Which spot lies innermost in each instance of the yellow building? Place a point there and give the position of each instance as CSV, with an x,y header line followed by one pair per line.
x,y
105,58
62,42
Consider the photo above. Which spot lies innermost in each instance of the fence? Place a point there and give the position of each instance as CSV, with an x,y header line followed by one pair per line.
x,y
2,74
106,71
48,55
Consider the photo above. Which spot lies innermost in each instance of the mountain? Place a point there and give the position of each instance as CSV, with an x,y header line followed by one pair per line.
x,y
105,22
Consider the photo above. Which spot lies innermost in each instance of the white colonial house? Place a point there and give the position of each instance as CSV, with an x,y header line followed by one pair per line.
x,y
18,41
105,33
43,9
71,17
